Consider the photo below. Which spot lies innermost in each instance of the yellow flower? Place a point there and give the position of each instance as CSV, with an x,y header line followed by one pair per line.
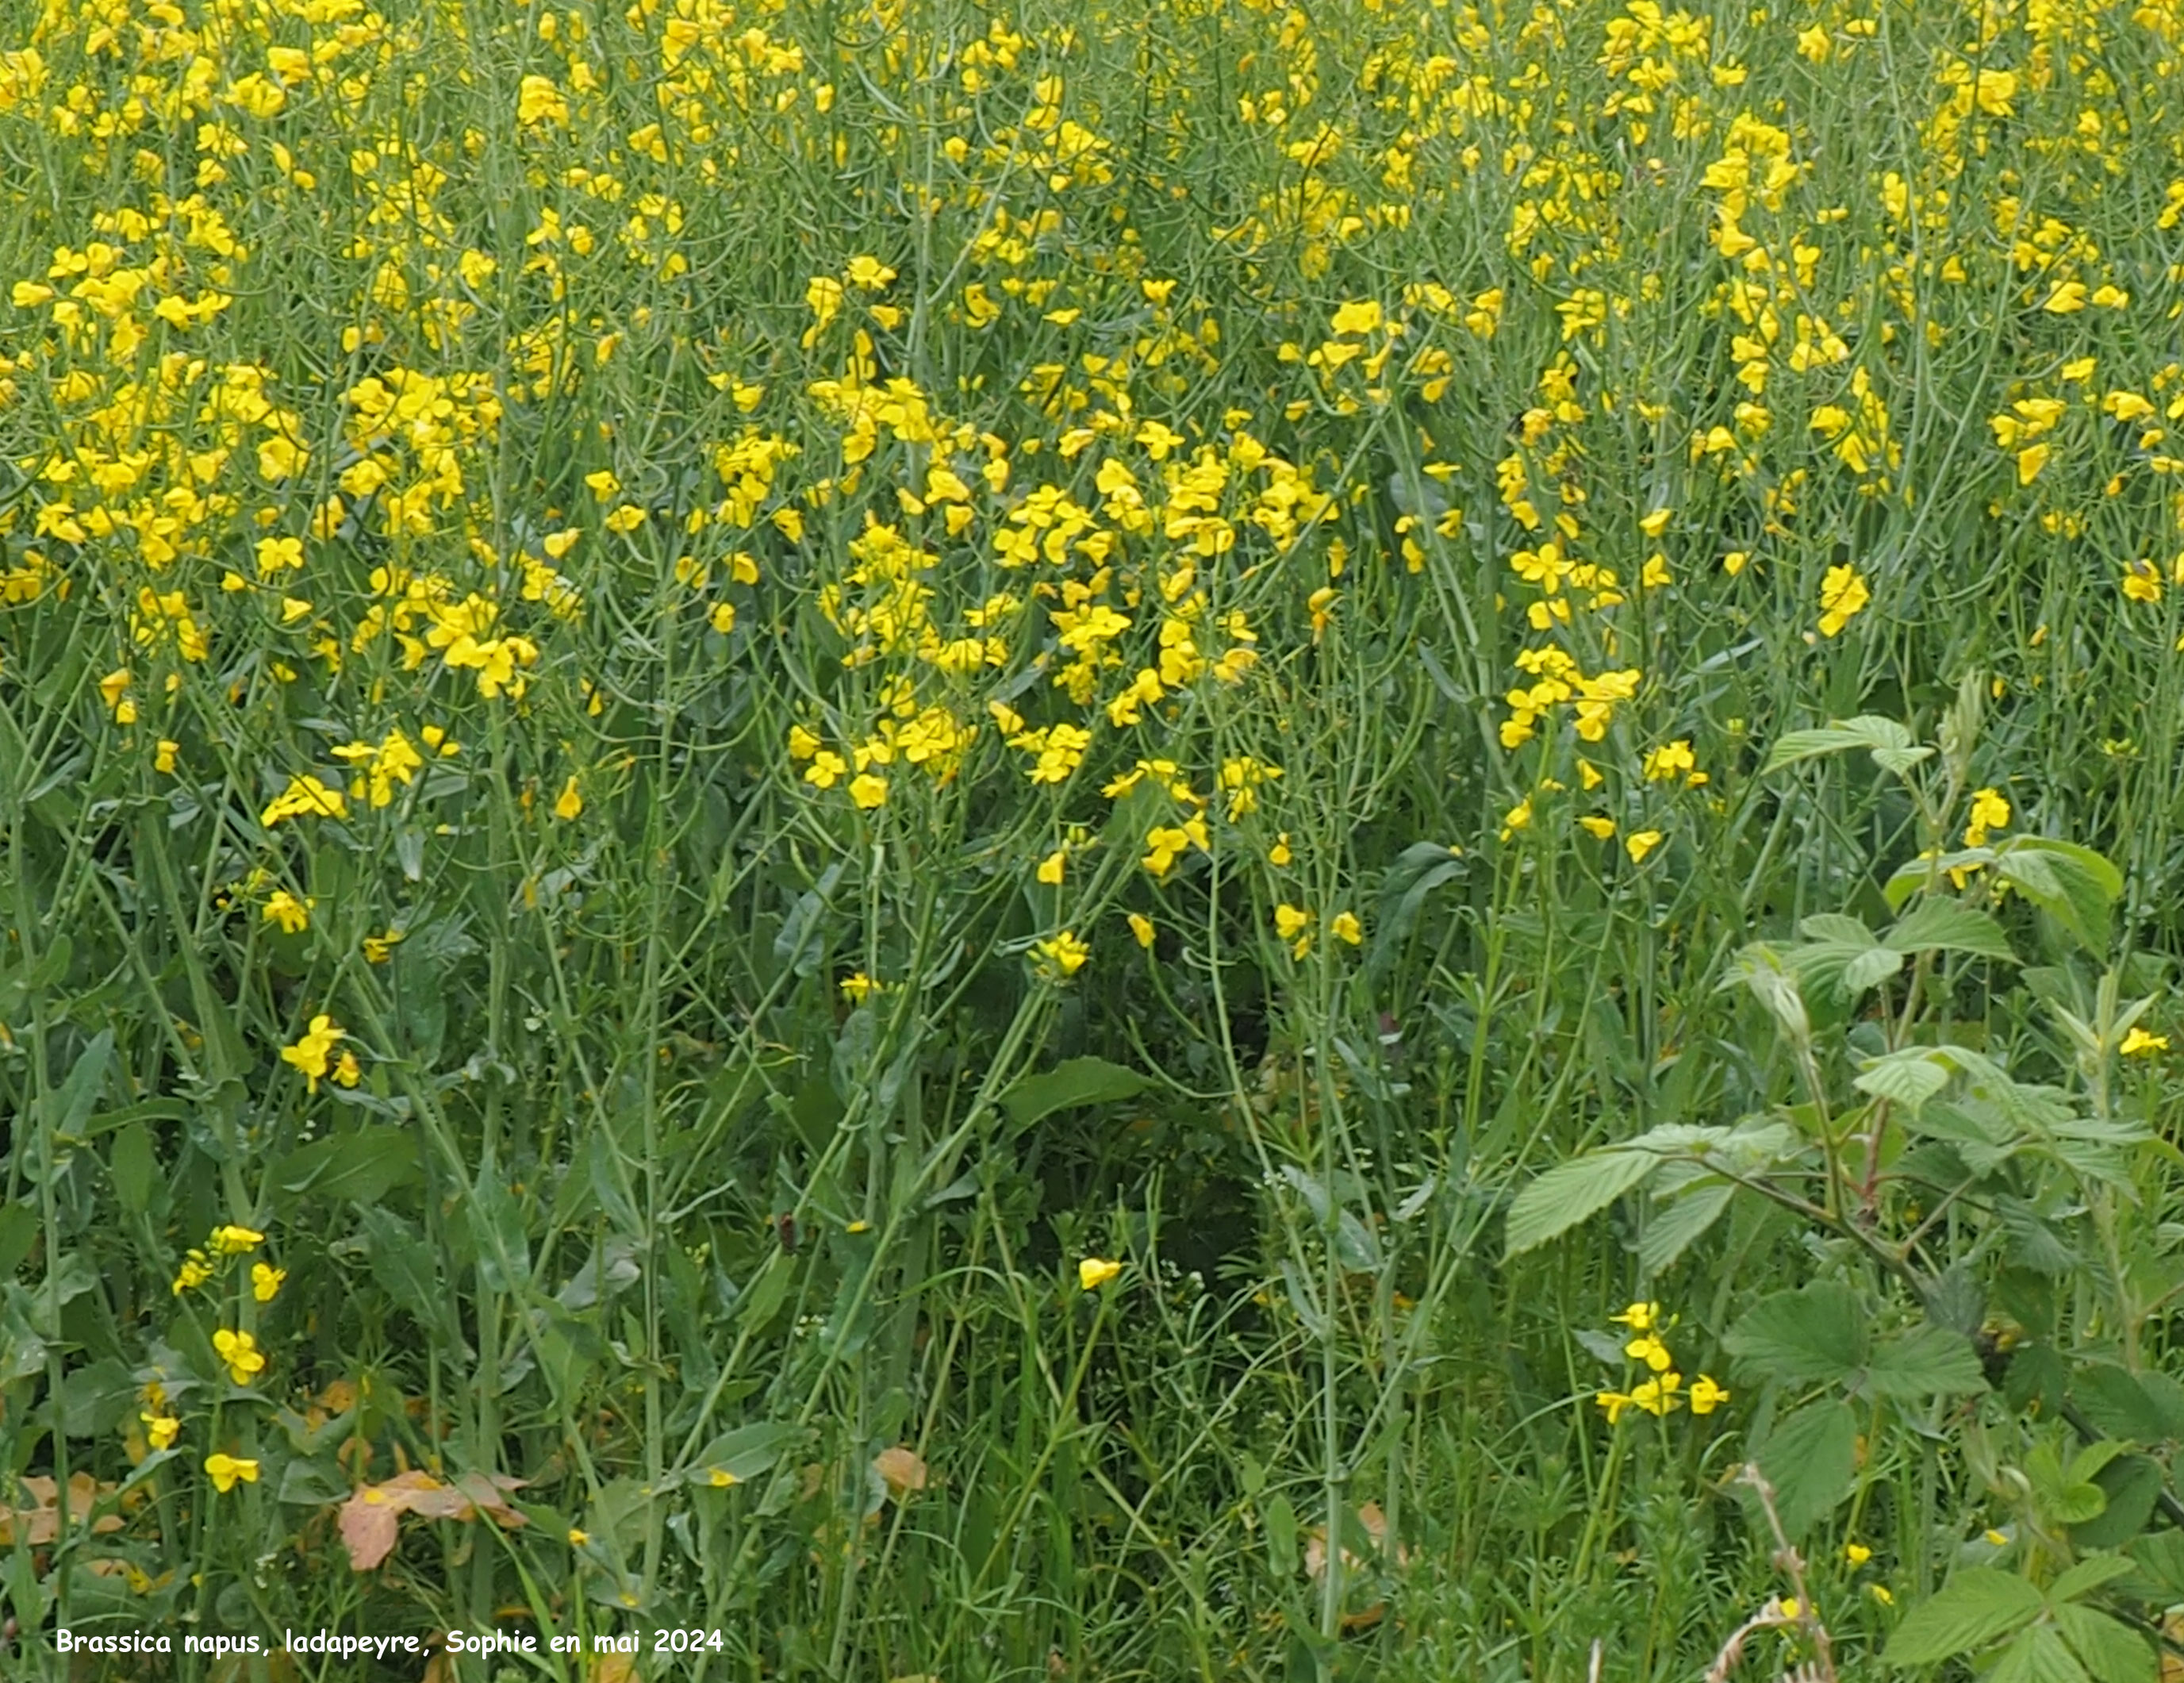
x,y
1639,1317
2138,1044
1658,1395
1142,927
160,1430
868,789
163,757
1670,761
720,1478
1639,844
194,1272
1344,927
1647,1347
378,948
1065,952
1278,854
235,1241
1613,1402
857,988
569,803
1843,594
1706,1396
578,1536
1094,1272
292,915
1881,1593
826,768
1290,921
625,519
1990,811
538,100
1601,827
1855,1553
305,796
227,1469
1050,868
266,1281
2141,583
239,1349
312,1052
1361,317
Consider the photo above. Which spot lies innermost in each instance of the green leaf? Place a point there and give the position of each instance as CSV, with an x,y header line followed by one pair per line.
x,y
2075,885
746,1452
1813,1333
1671,1228
1925,1361
406,1269
364,1165
131,1164
2038,1656
2115,1401
1810,1458
1570,1193
1979,1605
2086,1576
19,1232
1938,925
1073,1082
1909,1077
2109,1648
2130,1485
1883,737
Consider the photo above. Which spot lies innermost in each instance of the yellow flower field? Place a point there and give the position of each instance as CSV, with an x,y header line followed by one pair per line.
x,y
920,841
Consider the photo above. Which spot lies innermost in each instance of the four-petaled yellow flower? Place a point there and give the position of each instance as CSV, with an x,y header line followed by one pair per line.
x,y
1639,1317
312,1053
227,1471
1990,811
569,804
1856,1553
1647,1347
1344,927
1640,842
2138,1044
194,1272
266,1281
1706,1396
1142,927
1094,1272
1066,953
292,915
1843,594
231,1240
160,1430
240,1351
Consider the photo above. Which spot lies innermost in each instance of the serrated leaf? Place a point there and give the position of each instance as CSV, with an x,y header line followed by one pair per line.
x,y
1867,731
1909,1077
1813,1333
1977,1607
1938,925
1871,967
1570,1193
2039,1656
2107,1647
1672,1229
1810,1458
1925,1361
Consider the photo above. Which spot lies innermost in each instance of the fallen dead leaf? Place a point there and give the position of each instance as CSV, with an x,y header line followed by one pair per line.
x,y
901,1470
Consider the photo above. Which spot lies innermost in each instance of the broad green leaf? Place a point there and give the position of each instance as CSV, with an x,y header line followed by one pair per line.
x,y
2107,1647
1940,925
2039,1656
1809,1458
1915,874
1671,1228
1924,1361
2086,1576
1774,983
1076,1081
364,1165
1813,1333
1569,1193
1870,969
2115,1401
745,1453
1977,1607
131,1163
2073,885
1909,1077
1868,731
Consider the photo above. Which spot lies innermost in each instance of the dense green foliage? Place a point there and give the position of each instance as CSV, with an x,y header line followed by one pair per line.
x,y
904,831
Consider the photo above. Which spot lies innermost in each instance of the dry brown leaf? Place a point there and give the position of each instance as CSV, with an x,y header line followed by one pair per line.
x,y
370,1519
1375,1524
901,1470
43,1518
